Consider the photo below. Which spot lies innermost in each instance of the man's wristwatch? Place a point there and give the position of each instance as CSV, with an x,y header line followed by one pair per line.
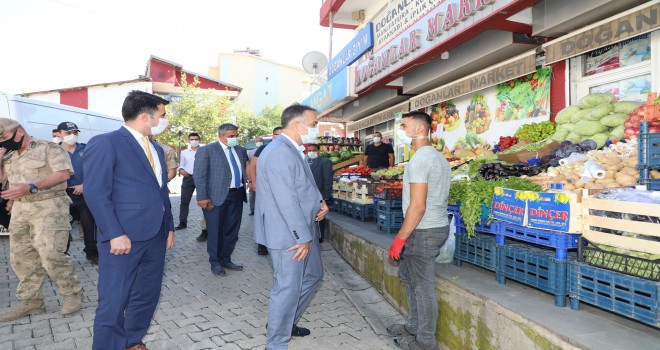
x,y
33,188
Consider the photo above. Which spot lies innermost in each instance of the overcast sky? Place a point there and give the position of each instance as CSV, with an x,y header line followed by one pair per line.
x,y
64,43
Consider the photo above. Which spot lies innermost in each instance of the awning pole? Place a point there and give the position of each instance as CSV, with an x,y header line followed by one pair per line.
x,y
332,19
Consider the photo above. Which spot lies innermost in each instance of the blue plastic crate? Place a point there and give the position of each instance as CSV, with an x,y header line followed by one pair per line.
x,y
480,250
535,267
452,209
391,218
384,204
646,180
494,228
363,212
347,208
561,241
625,295
649,147
388,229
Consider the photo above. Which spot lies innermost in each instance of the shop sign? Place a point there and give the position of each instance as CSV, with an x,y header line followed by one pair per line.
x,y
509,205
379,118
448,20
336,90
362,42
477,81
632,24
330,119
398,17
549,211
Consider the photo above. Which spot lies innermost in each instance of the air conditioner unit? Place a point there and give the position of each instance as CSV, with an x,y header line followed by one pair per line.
x,y
357,15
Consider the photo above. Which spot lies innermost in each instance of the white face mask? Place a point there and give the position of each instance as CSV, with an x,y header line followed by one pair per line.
x,y
162,125
232,141
312,133
405,139
70,139
312,155
258,144
57,139
194,143
376,139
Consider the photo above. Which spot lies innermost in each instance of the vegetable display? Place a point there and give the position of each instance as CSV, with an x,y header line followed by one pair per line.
x,y
358,170
536,131
477,116
596,117
524,97
641,113
389,172
492,171
506,142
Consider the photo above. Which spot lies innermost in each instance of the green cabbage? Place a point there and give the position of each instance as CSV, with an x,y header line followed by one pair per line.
x,y
588,127
617,133
564,116
626,106
593,100
614,120
600,139
576,117
598,112
575,138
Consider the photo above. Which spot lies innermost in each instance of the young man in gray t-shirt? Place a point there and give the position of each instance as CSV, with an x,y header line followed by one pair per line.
x,y
425,228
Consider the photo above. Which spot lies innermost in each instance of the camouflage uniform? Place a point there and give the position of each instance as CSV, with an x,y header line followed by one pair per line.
x,y
170,156
40,222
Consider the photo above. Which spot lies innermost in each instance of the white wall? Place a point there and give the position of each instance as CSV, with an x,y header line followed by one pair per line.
x,y
108,100
52,97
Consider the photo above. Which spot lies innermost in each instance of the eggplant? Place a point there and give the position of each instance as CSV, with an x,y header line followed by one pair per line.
x,y
565,143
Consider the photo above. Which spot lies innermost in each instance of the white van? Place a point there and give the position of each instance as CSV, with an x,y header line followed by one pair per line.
x,y
39,118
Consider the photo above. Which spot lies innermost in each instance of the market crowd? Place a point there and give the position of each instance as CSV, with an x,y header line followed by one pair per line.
x,y
116,187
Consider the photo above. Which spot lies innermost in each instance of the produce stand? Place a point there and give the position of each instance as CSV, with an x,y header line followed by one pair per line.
x,y
346,163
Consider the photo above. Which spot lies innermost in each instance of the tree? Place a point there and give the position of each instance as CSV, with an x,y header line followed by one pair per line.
x,y
197,111
250,125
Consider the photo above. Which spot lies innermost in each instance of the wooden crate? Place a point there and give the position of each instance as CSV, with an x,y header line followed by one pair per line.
x,y
637,227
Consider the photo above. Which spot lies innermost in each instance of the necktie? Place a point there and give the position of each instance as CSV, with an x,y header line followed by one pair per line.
x,y
150,157
234,169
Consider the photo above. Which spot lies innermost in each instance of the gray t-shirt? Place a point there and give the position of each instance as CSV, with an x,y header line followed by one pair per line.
x,y
429,166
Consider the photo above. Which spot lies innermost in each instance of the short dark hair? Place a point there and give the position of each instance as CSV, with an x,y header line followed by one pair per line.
x,y
419,116
226,127
138,102
277,128
378,132
293,112
313,145
55,130
194,134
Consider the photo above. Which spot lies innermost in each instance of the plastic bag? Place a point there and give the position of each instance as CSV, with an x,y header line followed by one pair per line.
x,y
447,250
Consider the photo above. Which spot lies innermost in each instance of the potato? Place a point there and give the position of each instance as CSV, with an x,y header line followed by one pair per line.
x,y
612,160
609,174
629,171
615,167
569,187
612,185
655,174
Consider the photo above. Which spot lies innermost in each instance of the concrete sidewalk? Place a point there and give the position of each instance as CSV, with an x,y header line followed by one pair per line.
x,y
200,311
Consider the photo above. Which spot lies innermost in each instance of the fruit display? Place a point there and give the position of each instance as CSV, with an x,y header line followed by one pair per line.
x,y
356,170
536,131
506,142
477,116
389,190
446,115
649,112
525,97
613,166
389,172
596,116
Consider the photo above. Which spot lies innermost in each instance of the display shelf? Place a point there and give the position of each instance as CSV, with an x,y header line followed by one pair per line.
x,y
363,212
480,250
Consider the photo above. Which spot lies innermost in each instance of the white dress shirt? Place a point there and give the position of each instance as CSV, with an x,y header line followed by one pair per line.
x,y
187,162
138,137
228,149
300,148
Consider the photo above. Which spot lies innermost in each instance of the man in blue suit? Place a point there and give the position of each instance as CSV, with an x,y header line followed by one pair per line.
x,y
219,176
126,190
288,209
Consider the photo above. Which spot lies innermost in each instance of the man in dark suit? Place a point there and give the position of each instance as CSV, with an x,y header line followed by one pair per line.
x,y
322,170
219,175
288,207
126,190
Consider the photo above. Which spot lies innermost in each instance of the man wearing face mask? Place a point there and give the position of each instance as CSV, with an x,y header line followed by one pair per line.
x,y
322,171
289,206
170,154
56,136
69,132
378,155
37,172
220,179
425,228
186,169
126,190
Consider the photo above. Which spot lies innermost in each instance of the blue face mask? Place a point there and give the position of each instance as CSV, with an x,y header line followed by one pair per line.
x,y
232,141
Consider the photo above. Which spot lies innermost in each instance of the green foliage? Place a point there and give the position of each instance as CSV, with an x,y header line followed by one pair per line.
x,y
250,125
196,111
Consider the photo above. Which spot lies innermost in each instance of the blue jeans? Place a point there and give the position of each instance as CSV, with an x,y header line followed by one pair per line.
x,y
417,272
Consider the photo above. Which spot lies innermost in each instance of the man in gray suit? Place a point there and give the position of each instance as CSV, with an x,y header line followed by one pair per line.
x,y
288,209
219,175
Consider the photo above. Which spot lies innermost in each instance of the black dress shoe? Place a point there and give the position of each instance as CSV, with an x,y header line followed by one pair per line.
x,y
180,227
202,237
218,271
94,259
262,250
232,266
251,212
299,331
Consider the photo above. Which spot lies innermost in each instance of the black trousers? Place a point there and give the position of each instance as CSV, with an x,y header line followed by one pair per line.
x,y
87,222
187,189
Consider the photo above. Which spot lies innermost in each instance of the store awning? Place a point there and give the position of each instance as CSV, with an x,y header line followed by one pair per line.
x,y
505,71
639,20
379,117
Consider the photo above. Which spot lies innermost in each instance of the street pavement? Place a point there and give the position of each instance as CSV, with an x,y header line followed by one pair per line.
x,y
200,311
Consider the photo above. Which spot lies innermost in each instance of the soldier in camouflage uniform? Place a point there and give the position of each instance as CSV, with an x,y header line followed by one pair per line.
x,y
37,172
171,161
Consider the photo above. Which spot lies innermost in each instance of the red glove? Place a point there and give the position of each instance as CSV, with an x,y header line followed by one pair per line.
x,y
396,247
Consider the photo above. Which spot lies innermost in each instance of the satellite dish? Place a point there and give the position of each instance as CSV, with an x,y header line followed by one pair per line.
x,y
314,62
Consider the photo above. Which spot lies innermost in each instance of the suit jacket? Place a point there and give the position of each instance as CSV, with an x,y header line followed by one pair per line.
x,y
288,199
121,188
212,173
322,171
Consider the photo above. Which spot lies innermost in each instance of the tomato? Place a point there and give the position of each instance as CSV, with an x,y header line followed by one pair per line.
x,y
628,124
654,130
